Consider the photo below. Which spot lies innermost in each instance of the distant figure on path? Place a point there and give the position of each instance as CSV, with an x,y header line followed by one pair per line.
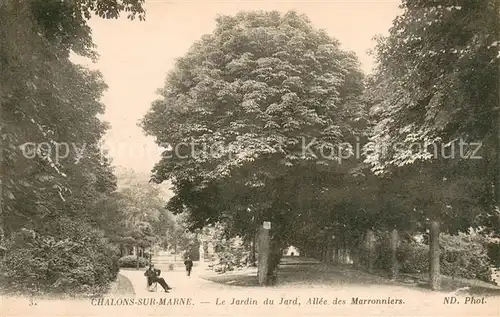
x,y
153,276
189,266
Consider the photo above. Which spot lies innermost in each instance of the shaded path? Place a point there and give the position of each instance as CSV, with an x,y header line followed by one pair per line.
x,y
315,290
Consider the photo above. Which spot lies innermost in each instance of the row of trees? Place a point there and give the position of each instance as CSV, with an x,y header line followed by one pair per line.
x,y
268,119
59,210
147,222
438,74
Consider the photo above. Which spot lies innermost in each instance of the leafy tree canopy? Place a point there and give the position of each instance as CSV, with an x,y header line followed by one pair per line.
x,y
262,97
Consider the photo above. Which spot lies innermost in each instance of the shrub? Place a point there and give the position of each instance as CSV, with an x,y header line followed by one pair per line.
x,y
382,251
230,253
465,256
82,262
494,253
413,257
460,256
130,261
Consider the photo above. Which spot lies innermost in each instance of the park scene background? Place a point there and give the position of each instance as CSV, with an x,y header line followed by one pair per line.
x,y
374,175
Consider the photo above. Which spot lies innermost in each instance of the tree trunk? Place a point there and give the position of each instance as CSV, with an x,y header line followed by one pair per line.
x,y
274,260
343,254
325,252
355,257
394,253
263,263
253,258
137,258
496,169
434,274
2,182
369,249
329,247
338,251
344,251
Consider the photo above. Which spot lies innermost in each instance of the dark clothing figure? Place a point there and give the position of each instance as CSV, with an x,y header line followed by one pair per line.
x,y
189,266
153,276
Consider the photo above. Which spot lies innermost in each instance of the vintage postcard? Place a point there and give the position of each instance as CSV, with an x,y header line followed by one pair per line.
x,y
250,158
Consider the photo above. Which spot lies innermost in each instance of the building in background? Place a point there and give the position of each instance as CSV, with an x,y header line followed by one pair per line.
x,y
291,251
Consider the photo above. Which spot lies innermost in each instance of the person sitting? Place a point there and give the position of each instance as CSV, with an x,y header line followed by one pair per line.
x,y
153,276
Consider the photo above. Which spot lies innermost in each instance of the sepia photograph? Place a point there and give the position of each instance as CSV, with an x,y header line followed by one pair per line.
x,y
250,158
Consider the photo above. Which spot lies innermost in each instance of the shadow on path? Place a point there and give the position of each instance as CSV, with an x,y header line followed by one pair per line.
x,y
300,272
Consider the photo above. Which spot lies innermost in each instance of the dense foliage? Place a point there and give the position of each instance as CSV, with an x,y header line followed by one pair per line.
x,y
230,252
461,256
435,102
54,175
130,261
236,112
263,120
239,108
78,260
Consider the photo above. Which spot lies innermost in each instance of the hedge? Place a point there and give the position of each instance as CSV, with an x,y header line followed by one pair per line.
x,y
130,261
81,263
461,255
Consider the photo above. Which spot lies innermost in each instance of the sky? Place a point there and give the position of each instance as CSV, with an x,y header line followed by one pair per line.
x,y
135,56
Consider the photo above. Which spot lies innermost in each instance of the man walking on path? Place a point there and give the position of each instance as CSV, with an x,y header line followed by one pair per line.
x,y
153,276
189,266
